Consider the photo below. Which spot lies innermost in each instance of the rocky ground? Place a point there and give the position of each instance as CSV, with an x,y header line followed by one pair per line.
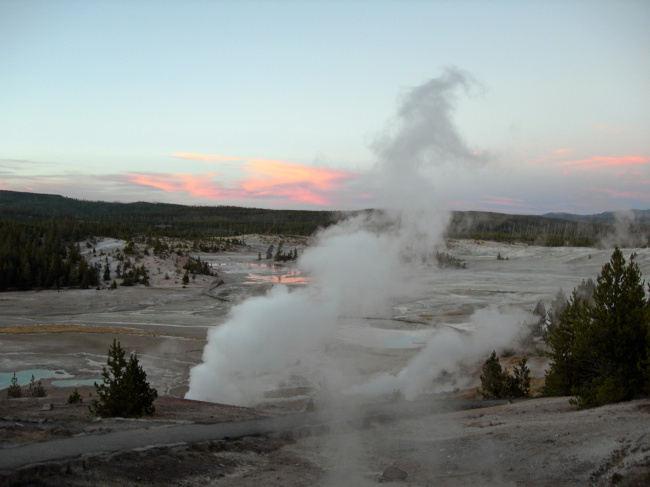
x,y
539,442
544,441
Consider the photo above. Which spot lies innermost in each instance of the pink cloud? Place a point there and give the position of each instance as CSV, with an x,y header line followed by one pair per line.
x,y
262,179
205,157
200,185
505,201
607,129
616,194
555,154
599,162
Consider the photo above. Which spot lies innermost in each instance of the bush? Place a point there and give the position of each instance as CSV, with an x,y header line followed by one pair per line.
x,y
125,391
602,390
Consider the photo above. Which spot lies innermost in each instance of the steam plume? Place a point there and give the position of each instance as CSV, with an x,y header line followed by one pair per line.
x,y
357,269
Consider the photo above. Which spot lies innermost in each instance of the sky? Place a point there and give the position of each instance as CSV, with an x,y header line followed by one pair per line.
x,y
284,104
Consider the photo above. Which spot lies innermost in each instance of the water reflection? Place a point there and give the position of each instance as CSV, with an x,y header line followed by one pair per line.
x,y
294,277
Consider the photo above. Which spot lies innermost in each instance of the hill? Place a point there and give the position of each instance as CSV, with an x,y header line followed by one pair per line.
x,y
122,220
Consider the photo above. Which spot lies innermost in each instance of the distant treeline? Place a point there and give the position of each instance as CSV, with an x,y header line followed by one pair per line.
x,y
43,255
538,230
122,220
39,233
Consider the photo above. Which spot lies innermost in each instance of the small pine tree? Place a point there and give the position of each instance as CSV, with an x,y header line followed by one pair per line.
x,y
14,390
496,383
519,381
75,397
36,389
493,379
125,391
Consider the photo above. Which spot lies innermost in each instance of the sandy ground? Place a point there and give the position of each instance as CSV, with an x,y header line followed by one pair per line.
x,y
538,442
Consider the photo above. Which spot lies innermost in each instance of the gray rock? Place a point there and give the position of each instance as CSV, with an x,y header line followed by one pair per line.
x,y
393,473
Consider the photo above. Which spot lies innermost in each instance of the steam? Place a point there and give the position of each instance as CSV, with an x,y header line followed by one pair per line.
x,y
446,354
357,269
627,232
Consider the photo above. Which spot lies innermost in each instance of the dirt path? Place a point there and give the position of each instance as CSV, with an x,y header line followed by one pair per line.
x,y
541,442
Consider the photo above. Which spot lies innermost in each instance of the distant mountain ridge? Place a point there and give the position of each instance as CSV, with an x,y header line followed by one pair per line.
x,y
114,218
641,216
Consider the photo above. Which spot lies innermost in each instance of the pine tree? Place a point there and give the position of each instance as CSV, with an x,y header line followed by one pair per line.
x,y
562,376
75,397
493,379
519,381
496,383
125,391
14,390
600,349
613,345
36,389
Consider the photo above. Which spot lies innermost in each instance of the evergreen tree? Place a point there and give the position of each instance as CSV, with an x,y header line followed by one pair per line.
x,y
562,376
496,383
493,379
612,344
75,397
14,390
124,391
36,389
600,350
519,381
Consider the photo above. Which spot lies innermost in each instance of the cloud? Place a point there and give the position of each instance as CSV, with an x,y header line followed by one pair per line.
x,y
627,195
503,201
205,157
262,179
199,185
607,129
600,162
553,155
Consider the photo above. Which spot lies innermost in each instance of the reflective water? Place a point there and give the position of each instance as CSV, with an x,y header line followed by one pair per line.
x,y
25,376
75,382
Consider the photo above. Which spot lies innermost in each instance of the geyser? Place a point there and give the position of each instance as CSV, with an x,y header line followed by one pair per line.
x,y
357,269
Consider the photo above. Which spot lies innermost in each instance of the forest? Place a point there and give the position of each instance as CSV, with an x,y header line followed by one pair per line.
x,y
40,233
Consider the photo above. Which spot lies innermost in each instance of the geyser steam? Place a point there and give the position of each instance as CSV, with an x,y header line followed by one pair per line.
x,y
357,268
